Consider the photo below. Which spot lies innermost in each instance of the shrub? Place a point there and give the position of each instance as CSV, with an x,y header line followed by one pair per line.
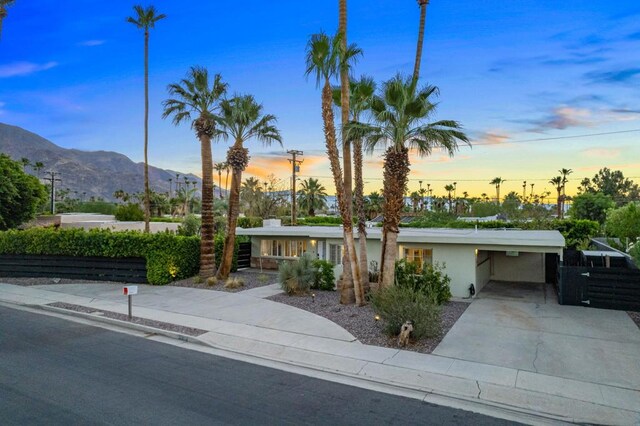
x,y
431,281
190,226
374,272
249,222
297,276
129,213
233,283
101,207
635,254
325,279
211,281
396,305
168,256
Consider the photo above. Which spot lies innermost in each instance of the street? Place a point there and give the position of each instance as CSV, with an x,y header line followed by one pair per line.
x,y
54,371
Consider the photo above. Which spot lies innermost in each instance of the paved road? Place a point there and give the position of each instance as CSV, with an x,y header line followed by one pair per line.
x,y
54,371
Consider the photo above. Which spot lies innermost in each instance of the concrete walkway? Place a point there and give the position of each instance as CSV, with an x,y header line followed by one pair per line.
x,y
245,323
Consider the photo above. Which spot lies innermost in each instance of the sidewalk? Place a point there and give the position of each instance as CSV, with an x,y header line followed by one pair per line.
x,y
246,323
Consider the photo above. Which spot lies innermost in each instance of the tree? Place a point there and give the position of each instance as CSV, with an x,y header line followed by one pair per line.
x,y
557,183
449,189
324,58
564,173
624,223
423,15
4,4
241,120
20,194
401,113
197,102
360,96
498,181
416,198
146,19
38,166
591,206
613,183
219,167
312,196
373,204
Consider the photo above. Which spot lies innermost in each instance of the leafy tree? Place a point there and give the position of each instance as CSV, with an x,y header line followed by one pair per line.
x,y
241,120
614,184
146,19
624,223
401,115
20,194
312,196
591,206
511,205
196,102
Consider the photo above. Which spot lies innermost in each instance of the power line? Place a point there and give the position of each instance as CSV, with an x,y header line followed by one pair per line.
x,y
587,135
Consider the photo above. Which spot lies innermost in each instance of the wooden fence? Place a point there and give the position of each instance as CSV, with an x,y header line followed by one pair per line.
x,y
606,288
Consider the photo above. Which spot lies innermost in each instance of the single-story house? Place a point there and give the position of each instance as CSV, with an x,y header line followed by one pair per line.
x,y
470,256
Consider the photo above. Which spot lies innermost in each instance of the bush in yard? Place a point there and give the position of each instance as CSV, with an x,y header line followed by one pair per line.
x,y
249,222
397,304
169,257
431,280
129,213
325,279
297,276
190,226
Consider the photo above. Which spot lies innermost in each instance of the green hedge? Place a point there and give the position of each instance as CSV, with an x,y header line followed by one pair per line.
x,y
165,253
249,222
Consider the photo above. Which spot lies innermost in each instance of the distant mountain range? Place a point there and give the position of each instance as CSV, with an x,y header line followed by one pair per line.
x,y
95,173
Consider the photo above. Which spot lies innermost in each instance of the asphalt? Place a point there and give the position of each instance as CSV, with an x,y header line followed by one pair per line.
x,y
245,325
60,372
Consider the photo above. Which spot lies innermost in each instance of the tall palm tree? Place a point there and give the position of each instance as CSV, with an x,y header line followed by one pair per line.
x,y
146,19
241,119
449,189
360,96
415,200
227,169
4,4
564,173
401,113
497,182
312,196
374,204
324,58
423,15
557,182
196,101
219,167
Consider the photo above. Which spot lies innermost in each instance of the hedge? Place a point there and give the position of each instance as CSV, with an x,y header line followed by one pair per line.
x,y
166,254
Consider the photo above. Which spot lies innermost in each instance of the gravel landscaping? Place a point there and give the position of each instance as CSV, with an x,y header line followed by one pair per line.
x,y
360,321
190,331
635,316
252,278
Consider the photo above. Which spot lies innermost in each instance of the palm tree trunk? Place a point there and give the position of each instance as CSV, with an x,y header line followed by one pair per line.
x,y
147,203
423,16
362,217
559,205
396,172
220,183
207,254
226,180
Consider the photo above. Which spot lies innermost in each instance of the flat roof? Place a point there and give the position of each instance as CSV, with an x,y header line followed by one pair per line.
x,y
503,237
600,253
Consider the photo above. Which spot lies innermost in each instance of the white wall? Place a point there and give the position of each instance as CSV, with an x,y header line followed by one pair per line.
x,y
526,267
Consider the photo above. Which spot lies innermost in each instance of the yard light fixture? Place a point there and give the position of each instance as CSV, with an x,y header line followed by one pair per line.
x,y
313,297
377,317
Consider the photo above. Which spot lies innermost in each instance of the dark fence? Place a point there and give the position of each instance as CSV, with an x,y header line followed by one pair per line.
x,y
606,288
130,270
244,255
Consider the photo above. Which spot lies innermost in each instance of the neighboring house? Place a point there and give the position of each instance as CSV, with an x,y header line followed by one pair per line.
x,y
470,256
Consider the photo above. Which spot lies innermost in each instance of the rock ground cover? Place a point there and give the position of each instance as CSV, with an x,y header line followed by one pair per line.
x,y
635,316
252,278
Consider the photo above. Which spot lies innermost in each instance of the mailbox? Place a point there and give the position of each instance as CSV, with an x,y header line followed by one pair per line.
x,y
130,290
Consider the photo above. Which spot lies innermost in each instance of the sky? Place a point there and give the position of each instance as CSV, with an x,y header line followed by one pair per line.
x,y
537,85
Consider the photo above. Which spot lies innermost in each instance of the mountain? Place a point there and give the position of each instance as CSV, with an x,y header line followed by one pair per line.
x,y
96,173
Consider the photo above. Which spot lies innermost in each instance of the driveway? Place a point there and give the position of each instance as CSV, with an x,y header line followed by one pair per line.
x,y
527,331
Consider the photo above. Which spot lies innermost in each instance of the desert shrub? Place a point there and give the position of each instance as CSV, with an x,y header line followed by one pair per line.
x,y
129,213
297,276
211,281
190,226
249,222
101,207
397,304
431,280
233,283
325,279
169,257
374,272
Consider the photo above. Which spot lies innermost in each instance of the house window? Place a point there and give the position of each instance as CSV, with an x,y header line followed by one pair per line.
x,y
283,248
419,256
336,251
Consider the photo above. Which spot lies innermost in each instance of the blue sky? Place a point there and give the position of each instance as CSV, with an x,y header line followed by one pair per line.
x,y
507,70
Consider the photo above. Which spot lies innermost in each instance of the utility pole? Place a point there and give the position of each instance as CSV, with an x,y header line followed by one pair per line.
x,y
53,179
295,167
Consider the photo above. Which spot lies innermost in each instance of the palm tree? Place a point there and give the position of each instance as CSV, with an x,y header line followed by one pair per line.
x,y
374,203
449,189
360,96
250,192
4,4
25,163
38,166
564,173
312,196
558,183
325,57
497,182
415,200
241,119
197,102
219,167
146,19
226,179
423,15
400,113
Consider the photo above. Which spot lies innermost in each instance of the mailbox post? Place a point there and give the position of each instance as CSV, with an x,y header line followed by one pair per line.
x,y
129,291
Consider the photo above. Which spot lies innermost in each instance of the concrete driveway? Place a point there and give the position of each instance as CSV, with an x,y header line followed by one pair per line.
x,y
526,331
